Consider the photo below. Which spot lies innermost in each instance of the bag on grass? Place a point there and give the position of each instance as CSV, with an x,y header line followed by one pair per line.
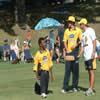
x,y
37,88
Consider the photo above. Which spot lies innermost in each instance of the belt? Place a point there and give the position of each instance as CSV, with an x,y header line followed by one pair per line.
x,y
45,71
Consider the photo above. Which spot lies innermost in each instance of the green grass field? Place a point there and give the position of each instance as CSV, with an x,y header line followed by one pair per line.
x,y
17,82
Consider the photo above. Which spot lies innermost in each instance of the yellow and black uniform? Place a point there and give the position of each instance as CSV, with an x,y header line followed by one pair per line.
x,y
90,64
72,37
44,59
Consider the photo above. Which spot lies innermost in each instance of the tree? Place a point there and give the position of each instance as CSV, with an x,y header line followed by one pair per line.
x,y
20,12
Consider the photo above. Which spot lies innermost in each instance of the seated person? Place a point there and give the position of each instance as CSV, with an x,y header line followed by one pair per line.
x,y
98,49
14,52
26,55
6,50
15,48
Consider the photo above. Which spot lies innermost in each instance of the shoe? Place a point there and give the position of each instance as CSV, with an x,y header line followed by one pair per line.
x,y
74,90
43,95
89,92
63,91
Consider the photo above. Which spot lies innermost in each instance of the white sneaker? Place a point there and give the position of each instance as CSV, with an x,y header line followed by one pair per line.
x,y
89,92
63,91
74,90
43,95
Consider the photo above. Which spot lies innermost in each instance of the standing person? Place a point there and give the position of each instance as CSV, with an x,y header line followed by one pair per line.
x,y
43,59
60,37
48,44
57,50
51,35
29,38
72,40
6,50
88,45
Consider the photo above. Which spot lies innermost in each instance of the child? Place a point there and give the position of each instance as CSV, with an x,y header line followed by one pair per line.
x,y
43,59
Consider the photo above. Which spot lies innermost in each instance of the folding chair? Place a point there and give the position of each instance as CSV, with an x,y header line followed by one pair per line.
x,y
27,56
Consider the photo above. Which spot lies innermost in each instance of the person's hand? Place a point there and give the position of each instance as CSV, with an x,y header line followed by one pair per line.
x,y
93,55
38,77
67,51
73,47
51,78
78,56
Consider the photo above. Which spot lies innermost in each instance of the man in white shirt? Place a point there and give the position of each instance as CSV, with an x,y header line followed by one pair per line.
x,y
88,46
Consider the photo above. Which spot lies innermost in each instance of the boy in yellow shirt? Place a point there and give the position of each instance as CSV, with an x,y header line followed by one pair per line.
x,y
43,60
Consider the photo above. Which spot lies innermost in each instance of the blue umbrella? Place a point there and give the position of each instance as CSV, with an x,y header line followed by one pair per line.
x,y
47,23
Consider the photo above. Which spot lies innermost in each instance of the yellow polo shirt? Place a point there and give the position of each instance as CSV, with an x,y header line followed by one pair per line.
x,y
71,37
44,59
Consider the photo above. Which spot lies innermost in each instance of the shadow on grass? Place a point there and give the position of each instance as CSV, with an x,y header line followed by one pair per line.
x,y
80,88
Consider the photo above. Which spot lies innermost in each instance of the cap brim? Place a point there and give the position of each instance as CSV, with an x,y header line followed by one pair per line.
x,y
70,21
79,22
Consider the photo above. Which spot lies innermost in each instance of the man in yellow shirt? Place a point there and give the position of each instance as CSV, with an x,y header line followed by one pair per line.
x,y
42,65
72,40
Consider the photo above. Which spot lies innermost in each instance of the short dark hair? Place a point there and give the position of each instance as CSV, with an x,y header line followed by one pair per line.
x,y
6,40
40,40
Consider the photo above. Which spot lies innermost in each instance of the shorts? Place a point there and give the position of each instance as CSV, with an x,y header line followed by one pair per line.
x,y
90,64
29,41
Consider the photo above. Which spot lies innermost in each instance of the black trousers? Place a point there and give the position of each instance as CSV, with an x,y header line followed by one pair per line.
x,y
44,80
71,66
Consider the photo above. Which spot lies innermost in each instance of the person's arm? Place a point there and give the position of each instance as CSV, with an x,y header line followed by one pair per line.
x,y
76,45
93,39
80,37
81,51
35,66
50,63
51,74
94,49
65,42
66,48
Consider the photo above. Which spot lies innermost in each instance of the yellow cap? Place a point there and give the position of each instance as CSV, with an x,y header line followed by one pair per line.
x,y
71,18
83,21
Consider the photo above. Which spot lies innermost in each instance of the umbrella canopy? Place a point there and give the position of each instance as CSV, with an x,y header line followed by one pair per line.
x,y
47,23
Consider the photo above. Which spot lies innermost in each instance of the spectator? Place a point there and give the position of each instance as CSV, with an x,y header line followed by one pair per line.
x,y
6,50
17,41
51,35
48,44
15,48
26,53
57,48
61,31
29,38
